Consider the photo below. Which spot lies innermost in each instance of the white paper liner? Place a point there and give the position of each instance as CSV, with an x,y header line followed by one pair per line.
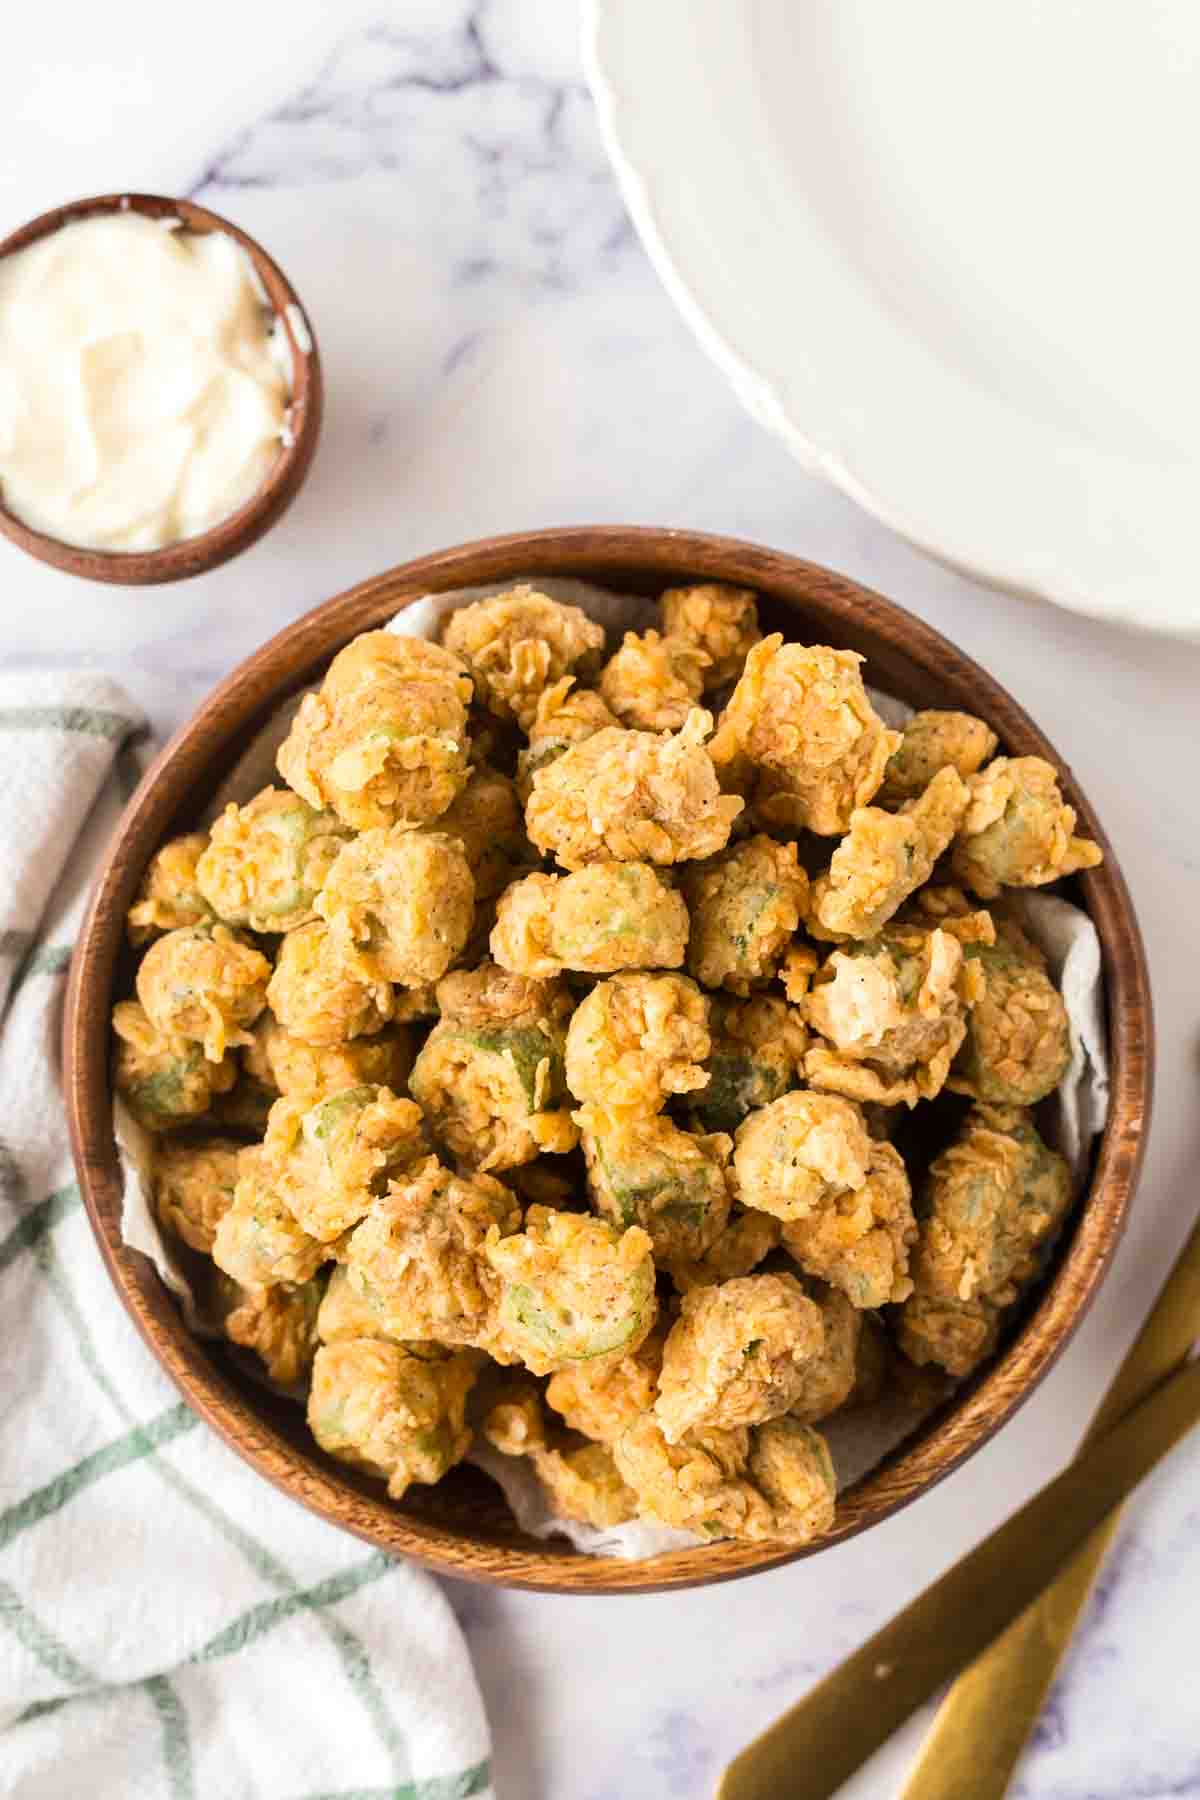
x,y
858,1440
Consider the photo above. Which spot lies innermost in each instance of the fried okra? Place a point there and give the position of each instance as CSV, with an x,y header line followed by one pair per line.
x,y
647,1172
572,1289
884,858
399,904
635,1040
737,1355
278,1323
748,1238
930,742
653,682
488,822
602,1399
802,715
1018,830
790,1464
829,1376
490,1076
800,1153
169,895
566,714
745,906
258,1240
519,643
1018,1042
385,741
860,1242
773,1483
956,1335
317,995
164,1081
721,621
632,796
288,1065
991,1203
891,1016
330,1159
418,1261
757,1047
609,916
205,983
378,1407
266,860
193,1189
582,1482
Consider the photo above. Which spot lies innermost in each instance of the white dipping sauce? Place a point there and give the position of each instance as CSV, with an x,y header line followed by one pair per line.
x,y
144,383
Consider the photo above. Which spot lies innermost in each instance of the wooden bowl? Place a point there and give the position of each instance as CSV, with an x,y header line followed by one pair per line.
x,y
194,555
461,1527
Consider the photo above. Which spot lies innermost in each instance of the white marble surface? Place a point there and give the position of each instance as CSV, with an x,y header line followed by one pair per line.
x,y
498,355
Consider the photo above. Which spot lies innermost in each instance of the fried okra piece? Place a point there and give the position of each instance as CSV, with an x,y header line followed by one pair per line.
x,y
719,620
517,644
757,1047
990,1205
791,1465
399,904
490,1076
1018,1042
930,742
653,682
164,1081
891,1016
266,860
566,714
317,995
745,906
258,1240
632,796
417,1259
385,740
775,1482
746,1241
1018,830
344,1313
332,1158
635,1040
193,1189
603,1399
169,895
278,1323
829,1376
861,1242
288,1065
515,1420
609,916
381,1409
800,1153
648,1172
802,715
205,983
737,1355
884,858
956,1335
487,820
582,1482
572,1288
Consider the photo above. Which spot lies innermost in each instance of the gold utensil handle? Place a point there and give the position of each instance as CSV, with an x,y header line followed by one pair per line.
x,y
983,1724
814,1748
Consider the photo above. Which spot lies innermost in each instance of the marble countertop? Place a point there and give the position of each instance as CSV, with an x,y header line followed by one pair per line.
x,y
499,355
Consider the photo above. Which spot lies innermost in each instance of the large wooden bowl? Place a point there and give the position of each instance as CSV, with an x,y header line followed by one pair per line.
x,y
462,1527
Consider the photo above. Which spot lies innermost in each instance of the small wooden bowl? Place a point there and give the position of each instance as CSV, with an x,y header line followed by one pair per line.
x,y
462,1527
194,555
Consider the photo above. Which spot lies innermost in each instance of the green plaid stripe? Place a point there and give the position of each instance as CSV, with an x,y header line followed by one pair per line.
x,y
439,1787
36,1223
89,721
118,1454
49,959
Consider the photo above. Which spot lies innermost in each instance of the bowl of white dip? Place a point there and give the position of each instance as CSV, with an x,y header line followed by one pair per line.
x,y
160,389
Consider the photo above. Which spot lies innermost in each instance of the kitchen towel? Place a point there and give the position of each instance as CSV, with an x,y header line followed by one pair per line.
x,y
170,1625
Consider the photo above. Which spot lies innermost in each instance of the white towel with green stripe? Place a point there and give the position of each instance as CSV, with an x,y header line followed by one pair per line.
x,y
170,1626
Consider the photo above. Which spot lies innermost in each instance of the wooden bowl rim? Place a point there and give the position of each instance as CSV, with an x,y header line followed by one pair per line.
x,y
285,662
274,494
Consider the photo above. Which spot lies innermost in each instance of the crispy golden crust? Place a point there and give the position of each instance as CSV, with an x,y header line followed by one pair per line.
x,y
203,983
515,1420
331,1158
266,860
721,621
602,1399
488,821
861,1242
257,1240
737,1355
566,714
653,682
193,1188
318,996
799,1153
801,713
956,1335
747,1239
635,1040
609,916
518,643
1018,1042
773,1483
885,857
932,741
647,1172
164,1081
169,895
757,1047
582,1482
378,1407
829,1377
399,904
745,906
632,796
572,1289
279,1324
1018,830
287,1064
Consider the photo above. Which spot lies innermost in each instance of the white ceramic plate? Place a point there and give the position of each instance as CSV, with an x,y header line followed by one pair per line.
x,y
947,250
